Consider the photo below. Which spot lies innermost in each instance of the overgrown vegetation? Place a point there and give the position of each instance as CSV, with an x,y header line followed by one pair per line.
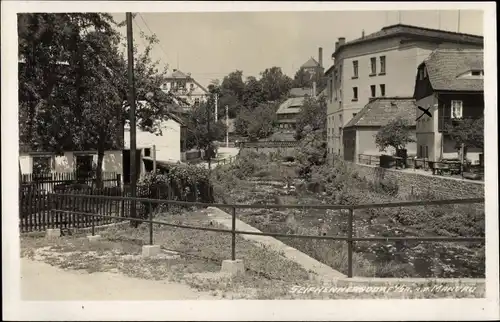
x,y
340,183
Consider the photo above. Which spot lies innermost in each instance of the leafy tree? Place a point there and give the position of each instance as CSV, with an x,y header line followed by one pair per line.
x,y
253,94
311,151
470,132
275,83
303,79
234,83
198,135
312,114
74,82
397,134
256,123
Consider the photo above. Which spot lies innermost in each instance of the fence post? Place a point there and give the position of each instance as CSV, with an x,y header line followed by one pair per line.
x,y
233,235
150,223
349,241
93,225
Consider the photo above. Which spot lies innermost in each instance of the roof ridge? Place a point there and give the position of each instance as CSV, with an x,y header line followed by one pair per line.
x,y
430,29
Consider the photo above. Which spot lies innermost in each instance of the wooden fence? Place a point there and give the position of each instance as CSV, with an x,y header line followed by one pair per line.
x,y
48,182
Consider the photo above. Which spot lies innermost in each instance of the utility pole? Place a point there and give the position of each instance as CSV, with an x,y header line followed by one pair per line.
x,y
227,126
458,27
131,100
216,106
209,136
154,158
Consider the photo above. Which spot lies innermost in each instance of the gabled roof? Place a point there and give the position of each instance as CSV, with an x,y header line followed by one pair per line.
x,y
300,91
444,66
291,106
310,63
175,73
380,111
415,31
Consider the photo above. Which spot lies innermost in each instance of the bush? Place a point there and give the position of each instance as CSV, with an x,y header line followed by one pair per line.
x,y
177,182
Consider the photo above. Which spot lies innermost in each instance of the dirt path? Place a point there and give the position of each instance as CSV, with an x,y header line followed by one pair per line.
x,y
43,282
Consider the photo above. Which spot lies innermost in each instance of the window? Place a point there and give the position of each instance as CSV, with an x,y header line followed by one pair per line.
x,y
373,90
355,68
147,152
382,89
373,65
197,100
424,73
340,130
426,155
354,93
421,74
42,166
456,109
382,64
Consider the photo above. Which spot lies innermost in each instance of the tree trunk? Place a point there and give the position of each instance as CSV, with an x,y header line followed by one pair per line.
x,y
100,159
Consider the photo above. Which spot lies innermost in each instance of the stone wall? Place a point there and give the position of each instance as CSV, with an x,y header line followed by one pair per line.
x,y
443,187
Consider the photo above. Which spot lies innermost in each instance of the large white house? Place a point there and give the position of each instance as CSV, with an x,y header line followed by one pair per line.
x,y
186,90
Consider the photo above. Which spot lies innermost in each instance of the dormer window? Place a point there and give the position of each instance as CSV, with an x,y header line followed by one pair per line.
x,y
475,73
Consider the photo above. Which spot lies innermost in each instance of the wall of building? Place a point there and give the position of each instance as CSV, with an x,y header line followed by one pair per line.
x,y
191,93
444,188
65,163
168,144
365,143
427,134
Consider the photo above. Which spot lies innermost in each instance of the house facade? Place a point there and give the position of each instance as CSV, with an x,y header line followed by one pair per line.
x,y
359,133
40,163
377,65
185,89
288,111
449,83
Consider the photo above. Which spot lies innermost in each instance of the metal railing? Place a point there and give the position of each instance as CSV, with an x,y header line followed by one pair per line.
x,y
369,159
349,239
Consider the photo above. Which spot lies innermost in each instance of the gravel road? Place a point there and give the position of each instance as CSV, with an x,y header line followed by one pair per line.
x,y
43,282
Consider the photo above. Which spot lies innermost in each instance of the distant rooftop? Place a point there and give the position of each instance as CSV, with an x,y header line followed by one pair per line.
x,y
291,106
444,66
381,110
414,31
311,63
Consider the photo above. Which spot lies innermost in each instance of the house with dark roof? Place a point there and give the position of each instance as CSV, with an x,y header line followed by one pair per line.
x,y
359,133
382,63
450,84
288,111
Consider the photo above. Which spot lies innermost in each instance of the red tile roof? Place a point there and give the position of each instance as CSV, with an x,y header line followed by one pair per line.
x,y
444,66
380,111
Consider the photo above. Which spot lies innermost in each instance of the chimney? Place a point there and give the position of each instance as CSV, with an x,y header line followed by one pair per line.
x,y
314,90
341,41
336,45
320,57
363,34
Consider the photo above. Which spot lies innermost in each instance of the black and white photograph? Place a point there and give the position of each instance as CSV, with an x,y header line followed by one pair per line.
x,y
327,159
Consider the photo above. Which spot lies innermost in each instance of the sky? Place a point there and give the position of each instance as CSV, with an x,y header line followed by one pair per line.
x,y
210,45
